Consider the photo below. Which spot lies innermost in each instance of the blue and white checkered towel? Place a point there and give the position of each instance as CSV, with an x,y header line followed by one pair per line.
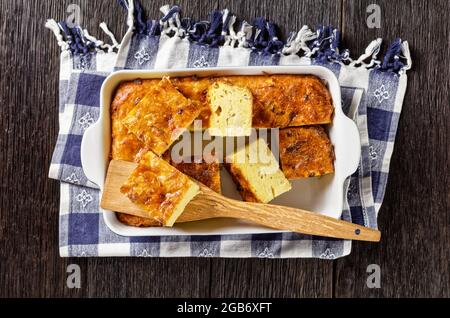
x,y
372,95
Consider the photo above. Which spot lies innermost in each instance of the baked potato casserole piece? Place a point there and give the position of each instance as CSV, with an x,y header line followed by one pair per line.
x,y
160,189
231,110
196,89
305,152
125,145
256,172
161,117
287,100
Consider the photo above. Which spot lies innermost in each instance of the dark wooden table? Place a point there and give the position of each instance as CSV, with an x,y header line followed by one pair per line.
x,y
414,252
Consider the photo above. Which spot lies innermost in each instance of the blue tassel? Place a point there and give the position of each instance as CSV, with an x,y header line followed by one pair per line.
x,y
259,38
187,24
264,38
198,31
274,45
213,37
391,61
169,15
123,4
139,15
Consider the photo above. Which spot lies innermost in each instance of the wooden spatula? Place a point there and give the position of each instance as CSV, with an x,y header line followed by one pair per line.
x,y
209,204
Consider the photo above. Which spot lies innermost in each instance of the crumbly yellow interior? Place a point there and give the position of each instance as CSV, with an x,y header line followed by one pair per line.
x,y
257,172
231,110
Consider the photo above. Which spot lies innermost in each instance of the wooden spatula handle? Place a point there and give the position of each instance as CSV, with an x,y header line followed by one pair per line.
x,y
280,217
308,223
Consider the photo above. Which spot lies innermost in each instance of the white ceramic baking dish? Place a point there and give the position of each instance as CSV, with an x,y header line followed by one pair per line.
x,y
322,195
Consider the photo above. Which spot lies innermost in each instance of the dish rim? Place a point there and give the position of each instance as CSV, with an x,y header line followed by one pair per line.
x,y
95,170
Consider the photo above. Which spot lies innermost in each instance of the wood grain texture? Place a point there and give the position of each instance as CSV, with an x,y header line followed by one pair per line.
x,y
414,218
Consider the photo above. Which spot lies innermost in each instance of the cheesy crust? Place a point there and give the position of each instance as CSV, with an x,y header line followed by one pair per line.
x,y
305,152
278,101
195,89
161,116
287,100
125,145
160,189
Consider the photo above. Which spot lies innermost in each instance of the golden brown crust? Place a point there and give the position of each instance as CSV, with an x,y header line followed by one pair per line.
x,y
125,145
195,89
138,221
305,152
270,109
160,117
287,100
207,173
157,187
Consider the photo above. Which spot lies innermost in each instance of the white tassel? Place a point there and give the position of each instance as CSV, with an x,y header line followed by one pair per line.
x,y
52,25
98,43
244,34
130,18
300,41
231,38
165,9
225,14
171,24
372,50
317,47
407,55
165,25
105,29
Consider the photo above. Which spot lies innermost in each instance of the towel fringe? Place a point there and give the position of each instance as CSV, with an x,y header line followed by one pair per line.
x,y
115,44
298,41
407,56
261,36
78,41
52,25
372,51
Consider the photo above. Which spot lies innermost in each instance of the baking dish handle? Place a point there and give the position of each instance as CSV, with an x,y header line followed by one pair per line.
x,y
352,146
94,153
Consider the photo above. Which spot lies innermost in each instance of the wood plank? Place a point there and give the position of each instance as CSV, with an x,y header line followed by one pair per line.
x,y
276,278
29,205
414,219
30,201
415,216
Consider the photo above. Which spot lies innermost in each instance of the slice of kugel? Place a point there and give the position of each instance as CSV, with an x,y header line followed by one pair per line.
x,y
160,189
161,116
231,110
305,152
256,172
202,170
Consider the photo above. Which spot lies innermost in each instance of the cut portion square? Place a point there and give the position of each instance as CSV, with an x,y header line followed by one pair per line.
x,y
160,189
125,145
256,172
231,110
161,116
306,152
283,100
